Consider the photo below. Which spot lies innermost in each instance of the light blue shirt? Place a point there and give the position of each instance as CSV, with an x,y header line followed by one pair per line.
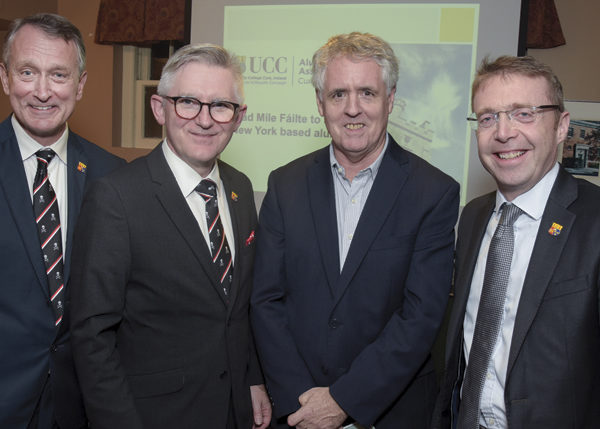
x,y
350,198
533,203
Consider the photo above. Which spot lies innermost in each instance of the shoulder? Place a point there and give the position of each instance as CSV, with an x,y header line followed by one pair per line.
x,y
588,192
419,170
233,175
95,154
299,166
479,204
6,128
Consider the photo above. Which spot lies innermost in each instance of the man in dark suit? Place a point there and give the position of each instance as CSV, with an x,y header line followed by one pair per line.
x,y
541,368
43,74
163,269
354,259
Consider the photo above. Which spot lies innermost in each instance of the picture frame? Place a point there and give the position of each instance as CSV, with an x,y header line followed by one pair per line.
x,y
580,153
147,132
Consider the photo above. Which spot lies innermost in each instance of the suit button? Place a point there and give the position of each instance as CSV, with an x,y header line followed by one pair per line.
x,y
334,323
53,348
223,375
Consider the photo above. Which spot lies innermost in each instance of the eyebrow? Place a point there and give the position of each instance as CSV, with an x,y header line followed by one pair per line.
x,y
512,107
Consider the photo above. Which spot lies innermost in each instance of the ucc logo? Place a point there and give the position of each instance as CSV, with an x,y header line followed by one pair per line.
x,y
264,64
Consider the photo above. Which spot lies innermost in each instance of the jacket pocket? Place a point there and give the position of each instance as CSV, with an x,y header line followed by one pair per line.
x,y
156,384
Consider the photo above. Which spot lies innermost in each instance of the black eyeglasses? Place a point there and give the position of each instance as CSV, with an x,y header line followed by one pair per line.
x,y
190,107
520,115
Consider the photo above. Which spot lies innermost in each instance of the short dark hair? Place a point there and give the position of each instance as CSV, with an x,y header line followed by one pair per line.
x,y
54,26
507,65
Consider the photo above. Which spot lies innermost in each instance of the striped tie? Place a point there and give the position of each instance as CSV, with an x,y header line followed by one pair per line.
x,y
219,248
45,208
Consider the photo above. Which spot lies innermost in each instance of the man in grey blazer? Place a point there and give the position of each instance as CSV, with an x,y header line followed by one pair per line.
x,y
162,268
543,370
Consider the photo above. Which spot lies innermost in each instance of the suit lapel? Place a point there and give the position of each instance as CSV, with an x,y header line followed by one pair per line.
x,y
168,193
14,184
234,214
544,259
322,204
471,236
76,178
384,193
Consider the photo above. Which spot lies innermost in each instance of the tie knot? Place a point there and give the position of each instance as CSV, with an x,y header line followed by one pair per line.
x,y
45,155
509,215
207,189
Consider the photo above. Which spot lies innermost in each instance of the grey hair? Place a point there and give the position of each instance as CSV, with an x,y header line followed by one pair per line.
x,y
52,25
359,46
203,53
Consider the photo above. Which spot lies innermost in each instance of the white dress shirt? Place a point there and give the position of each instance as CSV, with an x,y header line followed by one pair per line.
x,y
57,170
533,203
187,179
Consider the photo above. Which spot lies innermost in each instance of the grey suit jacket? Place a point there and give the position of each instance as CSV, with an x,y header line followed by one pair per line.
x,y
156,343
553,376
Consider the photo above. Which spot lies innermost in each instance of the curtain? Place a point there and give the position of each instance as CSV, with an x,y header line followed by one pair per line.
x,y
543,25
140,22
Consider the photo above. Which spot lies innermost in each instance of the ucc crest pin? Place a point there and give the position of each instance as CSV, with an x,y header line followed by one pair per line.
x,y
555,229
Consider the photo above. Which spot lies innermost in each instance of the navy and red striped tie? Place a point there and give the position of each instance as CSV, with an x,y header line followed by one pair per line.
x,y
219,248
45,208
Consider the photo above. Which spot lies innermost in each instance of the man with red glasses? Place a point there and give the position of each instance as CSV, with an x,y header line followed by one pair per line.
x,y
524,335
163,268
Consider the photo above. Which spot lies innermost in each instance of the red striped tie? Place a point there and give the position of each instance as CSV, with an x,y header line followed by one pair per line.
x,y
219,248
45,207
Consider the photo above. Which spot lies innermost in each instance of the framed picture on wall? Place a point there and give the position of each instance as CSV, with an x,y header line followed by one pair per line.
x,y
580,153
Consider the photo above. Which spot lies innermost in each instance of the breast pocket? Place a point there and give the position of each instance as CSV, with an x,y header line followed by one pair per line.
x,y
398,243
567,287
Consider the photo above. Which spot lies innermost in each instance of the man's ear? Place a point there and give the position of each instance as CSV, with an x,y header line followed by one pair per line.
x,y
241,113
4,78
319,103
158,108
80,85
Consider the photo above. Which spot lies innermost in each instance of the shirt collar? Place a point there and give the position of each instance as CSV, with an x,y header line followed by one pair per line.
x,y
533,202
28,146
373,168
187,178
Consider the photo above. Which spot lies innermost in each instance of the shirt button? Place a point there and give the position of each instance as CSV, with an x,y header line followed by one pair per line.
x,y
350,236
353,201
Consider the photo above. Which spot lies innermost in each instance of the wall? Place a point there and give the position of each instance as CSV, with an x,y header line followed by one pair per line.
x,y
93,115
576,63
9,10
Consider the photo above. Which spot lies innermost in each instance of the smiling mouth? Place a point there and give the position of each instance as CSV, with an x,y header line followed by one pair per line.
x,y
510,155
354,126
43,108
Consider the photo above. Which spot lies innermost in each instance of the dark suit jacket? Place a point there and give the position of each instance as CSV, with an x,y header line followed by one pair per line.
x,y
553,377
31,345
156,344
365,332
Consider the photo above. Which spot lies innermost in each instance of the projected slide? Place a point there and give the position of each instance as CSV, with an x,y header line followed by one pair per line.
x,y
436,46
